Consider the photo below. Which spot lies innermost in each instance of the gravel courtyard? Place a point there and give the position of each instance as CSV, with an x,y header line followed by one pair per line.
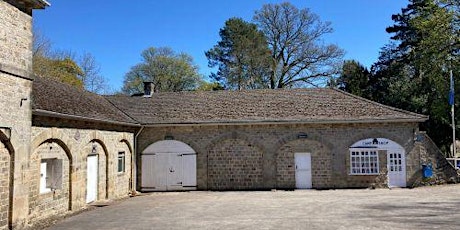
x,y
435,207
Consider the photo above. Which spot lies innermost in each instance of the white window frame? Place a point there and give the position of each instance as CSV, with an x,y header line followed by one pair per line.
x,y
364,161
53,173
122,157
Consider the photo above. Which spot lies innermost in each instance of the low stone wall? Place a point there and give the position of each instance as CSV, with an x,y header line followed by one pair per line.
x,y
429,153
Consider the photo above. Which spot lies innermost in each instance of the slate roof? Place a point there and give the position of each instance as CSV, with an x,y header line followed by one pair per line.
x,y
55,98
252,106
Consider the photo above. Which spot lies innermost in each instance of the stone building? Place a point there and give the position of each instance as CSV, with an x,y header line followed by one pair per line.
x,y
62,148
271,139
15,107
82,148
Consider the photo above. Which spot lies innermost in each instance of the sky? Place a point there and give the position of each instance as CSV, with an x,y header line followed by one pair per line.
x,y
116,32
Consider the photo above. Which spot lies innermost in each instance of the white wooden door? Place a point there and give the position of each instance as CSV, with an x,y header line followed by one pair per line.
x,y
152,172
91,178
174,176
396,164
303,170
189,170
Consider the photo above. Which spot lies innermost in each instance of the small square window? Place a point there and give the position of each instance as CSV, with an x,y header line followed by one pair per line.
x,y
121,162
50,175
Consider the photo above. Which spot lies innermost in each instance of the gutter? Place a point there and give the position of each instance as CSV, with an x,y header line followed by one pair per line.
x,y
40,112
134,161
42,3
249,122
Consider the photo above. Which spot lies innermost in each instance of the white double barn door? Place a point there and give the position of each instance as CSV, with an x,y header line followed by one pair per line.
x,y
168,172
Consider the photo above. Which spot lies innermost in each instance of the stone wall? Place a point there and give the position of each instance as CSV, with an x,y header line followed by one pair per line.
x,y
55,201
235,164
276,145
15,112
73,145
427,153
15,40
320,158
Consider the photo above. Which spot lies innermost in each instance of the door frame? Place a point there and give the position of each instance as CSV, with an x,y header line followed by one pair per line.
x,y
165,150
396,183
386,145
309,177
97,178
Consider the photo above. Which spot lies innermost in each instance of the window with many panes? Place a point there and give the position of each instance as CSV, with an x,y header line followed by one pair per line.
x,y
364,162
121,162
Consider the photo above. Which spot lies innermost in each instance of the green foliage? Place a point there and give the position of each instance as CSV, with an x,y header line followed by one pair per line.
x,y
169,71
64,70
413,72
242,56
63,66
354,78
299,56
209,86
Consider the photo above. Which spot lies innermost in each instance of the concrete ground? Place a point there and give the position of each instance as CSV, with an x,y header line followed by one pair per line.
x,y
421,208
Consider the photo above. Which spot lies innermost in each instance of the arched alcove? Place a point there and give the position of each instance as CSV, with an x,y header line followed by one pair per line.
x,y
168,165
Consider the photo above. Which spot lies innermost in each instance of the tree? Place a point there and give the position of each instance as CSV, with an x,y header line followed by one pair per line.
x,y
354,78
209,86
169,71
298,55
415,70
91,77
66,66
64,70
242,56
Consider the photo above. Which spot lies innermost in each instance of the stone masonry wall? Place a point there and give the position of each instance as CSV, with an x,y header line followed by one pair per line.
x,y
15,40
320,158
426,152
55,201
15,109
235,164
75,145
329,145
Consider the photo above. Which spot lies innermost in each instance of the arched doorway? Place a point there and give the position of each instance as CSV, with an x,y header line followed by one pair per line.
x,y
364,159
96,171
168,165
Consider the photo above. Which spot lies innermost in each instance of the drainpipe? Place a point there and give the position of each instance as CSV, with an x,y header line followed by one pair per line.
x,y
134,162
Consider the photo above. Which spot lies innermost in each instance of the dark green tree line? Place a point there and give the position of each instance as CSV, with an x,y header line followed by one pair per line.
x,y
412,72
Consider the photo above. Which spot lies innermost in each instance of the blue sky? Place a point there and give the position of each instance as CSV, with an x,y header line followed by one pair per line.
x,y
116,32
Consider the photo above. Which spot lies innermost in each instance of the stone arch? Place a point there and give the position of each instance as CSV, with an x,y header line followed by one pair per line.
x,y
168,165
168,146
321,162
389,164
235,163
236,135
124,144
98,137
5,143
375,134
183,139
295,136
128,144
36,202
105,166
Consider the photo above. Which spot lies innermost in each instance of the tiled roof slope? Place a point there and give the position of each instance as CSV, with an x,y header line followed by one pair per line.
x,y
52,96
281,105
